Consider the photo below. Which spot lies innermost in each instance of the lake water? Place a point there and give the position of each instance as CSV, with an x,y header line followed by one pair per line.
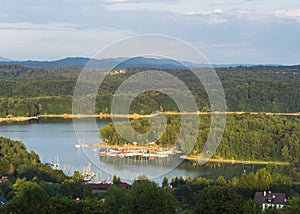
x,y
55,139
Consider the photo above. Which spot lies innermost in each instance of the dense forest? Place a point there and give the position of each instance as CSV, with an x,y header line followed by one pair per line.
x,y
32,187
31,91
246,137
17,162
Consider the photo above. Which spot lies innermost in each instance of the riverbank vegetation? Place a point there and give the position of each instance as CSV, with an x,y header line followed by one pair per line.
x,y
31,91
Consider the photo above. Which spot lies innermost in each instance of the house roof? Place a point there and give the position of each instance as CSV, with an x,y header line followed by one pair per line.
x,y
270,197
105,186
3,200
100,186
4,179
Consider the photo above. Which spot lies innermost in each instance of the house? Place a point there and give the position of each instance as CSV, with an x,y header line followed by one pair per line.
x,y
125,185
3,200
4,179
105,186
270,199
101,186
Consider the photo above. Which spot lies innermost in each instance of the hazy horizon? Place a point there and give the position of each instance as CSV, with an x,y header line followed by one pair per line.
x,y
227,32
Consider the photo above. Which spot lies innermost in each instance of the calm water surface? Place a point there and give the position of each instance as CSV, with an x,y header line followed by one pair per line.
x,y
55,139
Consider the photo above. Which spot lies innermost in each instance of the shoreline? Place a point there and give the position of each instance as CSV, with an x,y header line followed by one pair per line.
x,y
193,158
17,119
256,162
134,116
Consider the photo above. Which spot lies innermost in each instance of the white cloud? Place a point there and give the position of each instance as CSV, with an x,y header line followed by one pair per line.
x,y
204,13
216,20
54,40
213,17
217,11
179,7
289,14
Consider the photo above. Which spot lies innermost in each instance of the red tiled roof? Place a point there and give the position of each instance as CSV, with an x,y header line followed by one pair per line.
x,y
105,186
270,197
100,186
125,185
4,179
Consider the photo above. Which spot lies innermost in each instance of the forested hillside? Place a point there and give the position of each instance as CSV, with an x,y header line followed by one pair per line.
x,y
30,91
246,137
17,162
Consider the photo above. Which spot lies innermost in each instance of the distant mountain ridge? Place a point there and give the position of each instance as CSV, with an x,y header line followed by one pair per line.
x,y
107,63
4,59
117,63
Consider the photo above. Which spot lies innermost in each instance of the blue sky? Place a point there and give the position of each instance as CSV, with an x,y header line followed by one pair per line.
x,y
225,31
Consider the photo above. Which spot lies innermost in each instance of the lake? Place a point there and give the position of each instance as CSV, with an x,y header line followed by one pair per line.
x,y
54,140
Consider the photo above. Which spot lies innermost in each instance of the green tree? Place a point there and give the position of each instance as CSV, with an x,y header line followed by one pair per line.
x,y
4,167
221,181
141,177
218,199
285,153
146,197
115,199
252,207
28,171
77,176
71,189
30,198
116,180
293,206
264,179
165,182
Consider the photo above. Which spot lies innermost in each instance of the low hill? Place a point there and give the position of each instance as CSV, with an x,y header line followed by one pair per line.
x,y
4,59
116,63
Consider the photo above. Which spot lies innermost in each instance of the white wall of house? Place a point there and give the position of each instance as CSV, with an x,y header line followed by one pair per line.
x,y
277,206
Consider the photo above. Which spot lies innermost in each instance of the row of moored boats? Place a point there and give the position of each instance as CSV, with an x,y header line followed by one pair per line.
x,y
135,153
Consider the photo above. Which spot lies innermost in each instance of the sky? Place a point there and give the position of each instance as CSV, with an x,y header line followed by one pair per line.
x,y
225,31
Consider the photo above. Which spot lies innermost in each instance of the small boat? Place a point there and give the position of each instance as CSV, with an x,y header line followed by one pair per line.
x,y
146,155
78,146
87,174
122,155
162,154
102,153
112,153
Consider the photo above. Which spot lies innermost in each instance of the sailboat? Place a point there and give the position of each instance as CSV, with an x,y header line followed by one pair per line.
x,y
54,165
87,174
81,145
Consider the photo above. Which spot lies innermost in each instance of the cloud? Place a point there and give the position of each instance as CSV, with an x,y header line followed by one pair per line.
x,y
207,12
289,14
116,1
30,26
215,16
54,40
216,20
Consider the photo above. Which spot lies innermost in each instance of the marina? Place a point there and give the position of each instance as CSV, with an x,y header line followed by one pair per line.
x,y
138,154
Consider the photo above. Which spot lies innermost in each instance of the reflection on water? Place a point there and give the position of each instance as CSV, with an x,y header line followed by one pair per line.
x,y
129,167
55,139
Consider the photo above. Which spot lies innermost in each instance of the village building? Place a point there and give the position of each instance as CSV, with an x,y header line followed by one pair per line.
x,y
270,199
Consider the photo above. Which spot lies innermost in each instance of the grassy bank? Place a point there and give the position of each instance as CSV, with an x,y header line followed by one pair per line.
x,y
219,160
